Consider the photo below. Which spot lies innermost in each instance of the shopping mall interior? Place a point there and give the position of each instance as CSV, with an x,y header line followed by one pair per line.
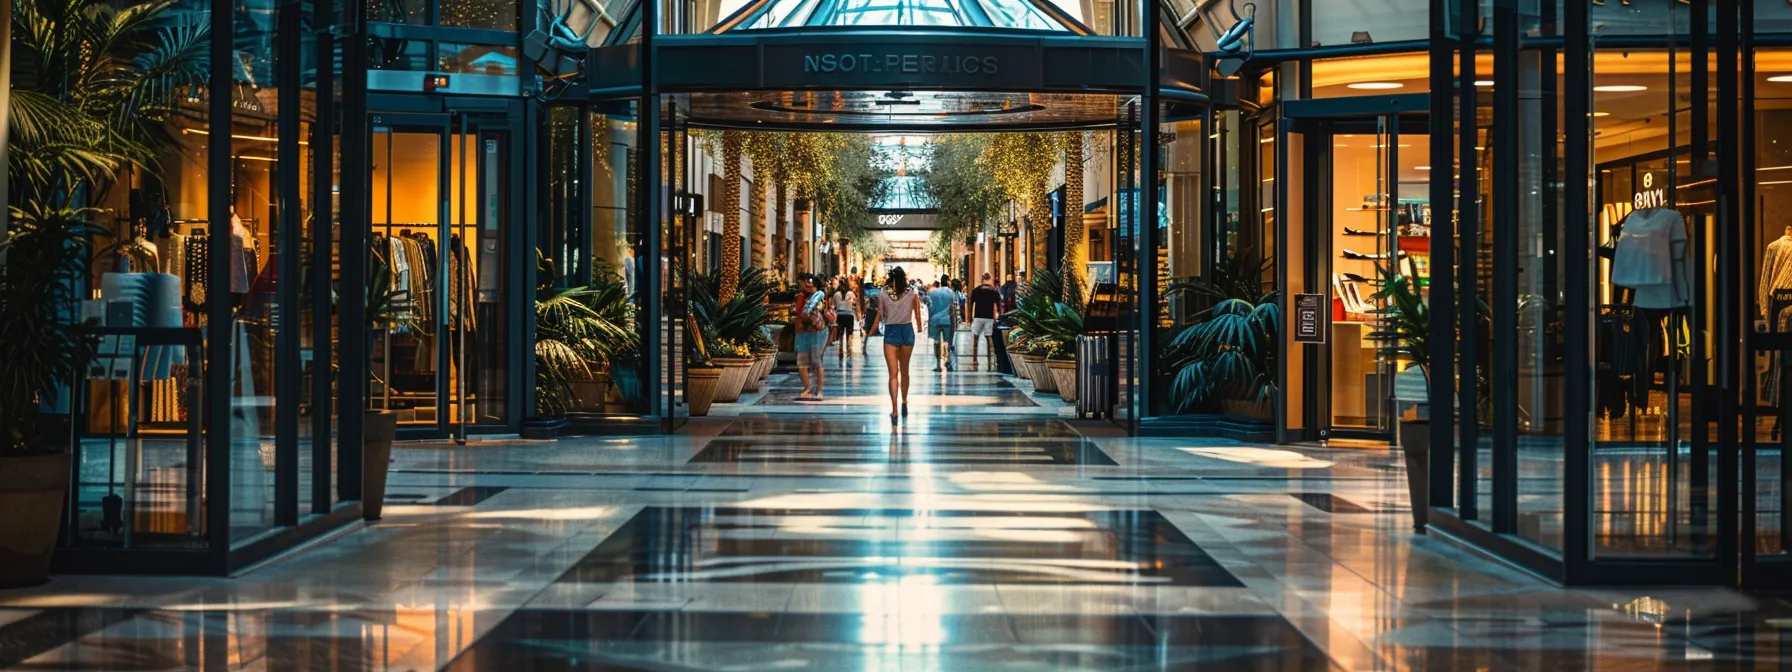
x,y
896,334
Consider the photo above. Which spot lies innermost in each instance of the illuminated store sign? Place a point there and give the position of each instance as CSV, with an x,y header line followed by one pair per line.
x,y
1650,196
908,64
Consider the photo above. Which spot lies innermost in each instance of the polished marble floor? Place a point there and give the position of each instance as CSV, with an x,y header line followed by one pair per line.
x,y
963,538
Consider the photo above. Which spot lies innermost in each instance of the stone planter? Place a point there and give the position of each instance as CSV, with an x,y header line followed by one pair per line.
x,y
1019,362
32,490
1415,446
767,360
1041,376
379,429
1063,374
751,384
700,388
734,377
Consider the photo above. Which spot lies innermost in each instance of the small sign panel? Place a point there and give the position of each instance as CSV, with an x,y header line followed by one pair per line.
x,y
1310,317
433,83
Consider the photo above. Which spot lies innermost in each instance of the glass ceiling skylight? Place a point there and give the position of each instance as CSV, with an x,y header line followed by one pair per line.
x,y
1006,14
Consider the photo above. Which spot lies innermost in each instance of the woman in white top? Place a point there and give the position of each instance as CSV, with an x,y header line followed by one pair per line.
x,y
899,306
846,316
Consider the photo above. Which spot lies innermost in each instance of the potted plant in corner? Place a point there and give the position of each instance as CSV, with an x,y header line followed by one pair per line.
x,y
1403,330
42,259
1226,358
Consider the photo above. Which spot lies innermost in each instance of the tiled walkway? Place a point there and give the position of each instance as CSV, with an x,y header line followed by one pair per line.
x,y
964,538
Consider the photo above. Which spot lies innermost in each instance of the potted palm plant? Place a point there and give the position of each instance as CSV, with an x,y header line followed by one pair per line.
x,y
1403,331
733,322
1226,358
42,259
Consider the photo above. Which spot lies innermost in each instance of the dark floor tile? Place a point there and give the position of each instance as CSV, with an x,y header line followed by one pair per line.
x,y
51,628
903,449
708,640
1330,503
742,545
470,496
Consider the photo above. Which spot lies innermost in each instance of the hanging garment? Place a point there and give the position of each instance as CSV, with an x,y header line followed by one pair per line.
x,y
242,255
1650,257
198,270
1776,272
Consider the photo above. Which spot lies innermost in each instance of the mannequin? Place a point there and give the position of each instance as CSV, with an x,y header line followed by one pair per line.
x,y
1650,258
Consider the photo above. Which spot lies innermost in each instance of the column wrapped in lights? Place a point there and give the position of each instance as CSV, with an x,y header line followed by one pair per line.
x,y
730,268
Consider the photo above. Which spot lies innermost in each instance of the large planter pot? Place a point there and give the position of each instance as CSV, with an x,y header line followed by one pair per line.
x,y
591,392
1019,362
1063,374
380,428
1041,376
32,490
1415,446
1248,408
756,373
700,388
734,377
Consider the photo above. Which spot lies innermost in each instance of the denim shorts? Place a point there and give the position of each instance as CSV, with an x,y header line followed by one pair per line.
x,y
899,335
941,332
813,341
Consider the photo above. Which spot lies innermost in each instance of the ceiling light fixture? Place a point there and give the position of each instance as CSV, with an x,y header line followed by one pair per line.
x,y
1422,168
1620,88
1780,78
1375,86
1483,83
1602,114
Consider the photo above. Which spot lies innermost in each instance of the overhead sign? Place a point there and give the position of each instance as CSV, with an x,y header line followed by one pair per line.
x,y
908,64
1310,317
906,222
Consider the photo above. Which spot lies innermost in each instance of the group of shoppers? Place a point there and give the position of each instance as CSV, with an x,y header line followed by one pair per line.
x,y
825,315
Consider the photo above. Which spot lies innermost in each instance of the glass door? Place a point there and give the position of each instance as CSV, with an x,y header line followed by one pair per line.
x,y
475,268
1361,227
435,273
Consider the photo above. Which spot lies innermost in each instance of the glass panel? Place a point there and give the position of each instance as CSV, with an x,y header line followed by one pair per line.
x,y
1772,238
1542,287
895,13
487,14
1652,474
474,268
1017,14
1369,21
476,59
407,302
1179,262
254,234
1362,240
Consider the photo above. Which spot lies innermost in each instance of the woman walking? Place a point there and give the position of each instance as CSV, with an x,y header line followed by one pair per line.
x,y
899,306
846,316
811,316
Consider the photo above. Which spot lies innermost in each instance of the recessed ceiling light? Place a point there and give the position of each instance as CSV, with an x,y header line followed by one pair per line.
x,y
1422,168
1602,114
1620,88
1375,86
1483,82
1780,78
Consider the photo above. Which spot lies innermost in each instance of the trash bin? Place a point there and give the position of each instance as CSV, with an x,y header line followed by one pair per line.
x,y
1001,356
1094,373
